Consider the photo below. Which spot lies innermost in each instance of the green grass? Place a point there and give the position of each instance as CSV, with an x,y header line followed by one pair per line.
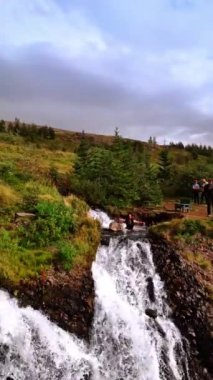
x,y
8,196
190,235
183,229
64,233
80,249
16,262
34,191
199,259
23,264
33,160
25,184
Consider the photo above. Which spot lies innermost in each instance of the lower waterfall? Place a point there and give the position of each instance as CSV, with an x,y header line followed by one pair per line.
x,y
133,337
128,343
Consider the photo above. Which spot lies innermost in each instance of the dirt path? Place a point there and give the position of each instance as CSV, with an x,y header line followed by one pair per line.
x,y
197,211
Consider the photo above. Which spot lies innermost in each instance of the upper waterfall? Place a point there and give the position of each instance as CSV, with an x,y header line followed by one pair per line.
x,y
101,216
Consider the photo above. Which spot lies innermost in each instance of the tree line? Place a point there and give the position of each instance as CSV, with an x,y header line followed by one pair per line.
x,y
126,173
30,131
118,175
195,149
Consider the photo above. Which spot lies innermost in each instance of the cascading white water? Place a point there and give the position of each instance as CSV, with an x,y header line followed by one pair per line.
x,y
126,343
33,348
101,216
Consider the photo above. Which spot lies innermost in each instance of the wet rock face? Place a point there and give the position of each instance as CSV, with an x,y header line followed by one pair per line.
x,y
107,234
66,298
152,313
151,217
3,352
150,289
189,301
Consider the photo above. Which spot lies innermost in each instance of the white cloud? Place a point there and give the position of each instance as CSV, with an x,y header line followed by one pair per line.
x,y
205,104
153,58
42,21
193,68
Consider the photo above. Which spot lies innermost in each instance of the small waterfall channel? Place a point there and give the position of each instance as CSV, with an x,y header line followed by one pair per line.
x,y
133,337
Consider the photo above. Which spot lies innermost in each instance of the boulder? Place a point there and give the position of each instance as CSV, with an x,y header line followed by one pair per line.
x,y
24,215
160,330
115,226
150,289
152,313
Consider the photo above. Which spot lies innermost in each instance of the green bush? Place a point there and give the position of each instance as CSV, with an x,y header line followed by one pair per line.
x,y
69,251
53,221
191,227
92,191
66,254
7,243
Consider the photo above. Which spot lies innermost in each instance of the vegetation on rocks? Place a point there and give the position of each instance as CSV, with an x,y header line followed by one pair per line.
x,y
184,229
193,240
52,236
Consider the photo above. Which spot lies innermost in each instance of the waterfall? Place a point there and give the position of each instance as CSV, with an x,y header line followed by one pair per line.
x,y
101,216
128,343
33,348
133,337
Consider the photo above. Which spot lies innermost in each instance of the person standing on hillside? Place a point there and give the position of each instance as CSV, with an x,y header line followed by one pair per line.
x,y
196,189
209,197
202,190
205,190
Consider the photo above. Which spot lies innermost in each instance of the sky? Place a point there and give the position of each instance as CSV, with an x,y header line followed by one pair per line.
x,y
145,67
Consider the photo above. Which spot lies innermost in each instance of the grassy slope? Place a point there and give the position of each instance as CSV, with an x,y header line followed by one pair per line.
x,y
27,166
24,169
33,159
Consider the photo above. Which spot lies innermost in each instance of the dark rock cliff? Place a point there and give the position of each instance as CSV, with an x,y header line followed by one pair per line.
x,y
67,298
190,304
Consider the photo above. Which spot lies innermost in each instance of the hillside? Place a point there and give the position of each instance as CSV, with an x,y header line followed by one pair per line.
x,y
40,166
135,172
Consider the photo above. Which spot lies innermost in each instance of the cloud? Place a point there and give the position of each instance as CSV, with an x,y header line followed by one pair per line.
x,y
146,68
45,89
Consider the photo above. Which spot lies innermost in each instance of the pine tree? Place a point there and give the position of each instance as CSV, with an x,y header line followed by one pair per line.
x,y
2,126
164,165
